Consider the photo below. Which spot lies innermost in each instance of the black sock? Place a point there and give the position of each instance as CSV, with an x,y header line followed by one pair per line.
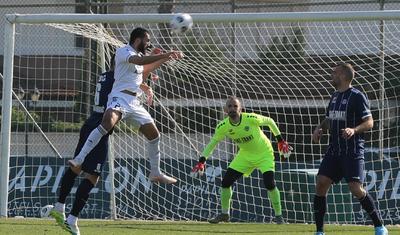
x,y
368,205
319,212
82,195
67,182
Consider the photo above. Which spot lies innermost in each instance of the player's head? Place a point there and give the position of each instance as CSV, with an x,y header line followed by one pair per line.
x,y
140,39
342,74
233,107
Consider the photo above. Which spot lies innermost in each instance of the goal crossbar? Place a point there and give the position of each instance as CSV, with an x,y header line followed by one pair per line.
x,y
205,17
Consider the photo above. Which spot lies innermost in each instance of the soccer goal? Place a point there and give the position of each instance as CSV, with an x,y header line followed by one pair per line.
x,y
278,64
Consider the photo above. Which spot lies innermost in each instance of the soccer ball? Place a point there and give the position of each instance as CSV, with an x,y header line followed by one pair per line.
x,y
181,23
45,211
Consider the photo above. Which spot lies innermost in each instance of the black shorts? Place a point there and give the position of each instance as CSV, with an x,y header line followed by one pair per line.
x,y
95,160
335,167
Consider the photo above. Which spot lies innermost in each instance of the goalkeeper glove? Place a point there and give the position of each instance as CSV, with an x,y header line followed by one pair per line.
x,y
199,168
284,149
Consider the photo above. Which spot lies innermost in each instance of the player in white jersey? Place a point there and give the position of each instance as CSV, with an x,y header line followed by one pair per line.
x,y
132,65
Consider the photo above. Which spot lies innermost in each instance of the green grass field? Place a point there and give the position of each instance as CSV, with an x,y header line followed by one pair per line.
x,y
98,227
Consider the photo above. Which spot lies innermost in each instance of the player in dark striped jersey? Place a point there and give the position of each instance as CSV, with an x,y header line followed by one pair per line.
x,y
348,116
93,163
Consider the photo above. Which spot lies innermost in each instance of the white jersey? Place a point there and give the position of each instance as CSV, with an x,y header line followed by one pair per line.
x,y
127,76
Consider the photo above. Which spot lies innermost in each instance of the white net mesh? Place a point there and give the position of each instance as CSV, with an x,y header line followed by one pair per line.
x,y
281,70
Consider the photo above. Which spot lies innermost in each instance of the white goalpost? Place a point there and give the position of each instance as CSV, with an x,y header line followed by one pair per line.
x,y
278,64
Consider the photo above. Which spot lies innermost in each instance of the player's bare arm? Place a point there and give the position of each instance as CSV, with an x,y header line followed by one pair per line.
x,y
145,60
366,125
323,126
148,91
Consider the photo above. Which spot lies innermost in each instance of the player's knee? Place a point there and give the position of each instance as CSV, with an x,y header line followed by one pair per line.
x,y
155,141
76,170
321,189
356,189
150,131
323,185
110,118
92,178
269,180
270,185
226,183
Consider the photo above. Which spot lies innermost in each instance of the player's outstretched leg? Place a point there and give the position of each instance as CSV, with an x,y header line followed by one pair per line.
x,y
91,142
67,182
151,132
154,156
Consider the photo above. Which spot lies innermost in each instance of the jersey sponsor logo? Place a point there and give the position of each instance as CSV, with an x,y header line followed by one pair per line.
x,y
242,140
246,128
344,101
334,100
337,115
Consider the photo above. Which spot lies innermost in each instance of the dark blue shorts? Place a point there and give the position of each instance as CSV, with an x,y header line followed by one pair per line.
x,y
95,160
336,167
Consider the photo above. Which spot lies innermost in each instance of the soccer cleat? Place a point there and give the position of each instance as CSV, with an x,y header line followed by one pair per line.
x,y
219,218
319,233
381,230
72,228
162,178
59,216
279,220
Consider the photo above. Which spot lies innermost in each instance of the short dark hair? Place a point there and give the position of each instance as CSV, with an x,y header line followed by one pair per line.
x,y
137,33
347,70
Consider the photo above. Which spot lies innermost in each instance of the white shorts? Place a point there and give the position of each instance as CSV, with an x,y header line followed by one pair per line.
x,y
132,110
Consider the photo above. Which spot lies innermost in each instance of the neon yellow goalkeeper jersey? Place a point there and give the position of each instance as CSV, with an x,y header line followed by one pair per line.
x,y
247,134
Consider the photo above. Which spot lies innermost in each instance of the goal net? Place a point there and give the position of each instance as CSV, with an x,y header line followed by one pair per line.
x,y
279,66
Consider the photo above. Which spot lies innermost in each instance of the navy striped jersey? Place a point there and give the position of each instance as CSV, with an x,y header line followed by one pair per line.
x,y
347,110
103,88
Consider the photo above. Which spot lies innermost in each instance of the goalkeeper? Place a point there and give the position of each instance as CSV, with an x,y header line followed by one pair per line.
x,y
255,152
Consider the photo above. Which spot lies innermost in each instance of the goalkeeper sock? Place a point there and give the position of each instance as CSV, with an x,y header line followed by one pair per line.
x,y
154,156
82,195
275,197
67,182
319,212
91,142
226,195
368,205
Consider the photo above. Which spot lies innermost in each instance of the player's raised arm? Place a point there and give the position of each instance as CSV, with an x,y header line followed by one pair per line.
x,y
173,55
140,39
149,59
283,147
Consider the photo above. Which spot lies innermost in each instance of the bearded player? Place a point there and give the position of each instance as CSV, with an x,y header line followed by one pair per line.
x,y
255,152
